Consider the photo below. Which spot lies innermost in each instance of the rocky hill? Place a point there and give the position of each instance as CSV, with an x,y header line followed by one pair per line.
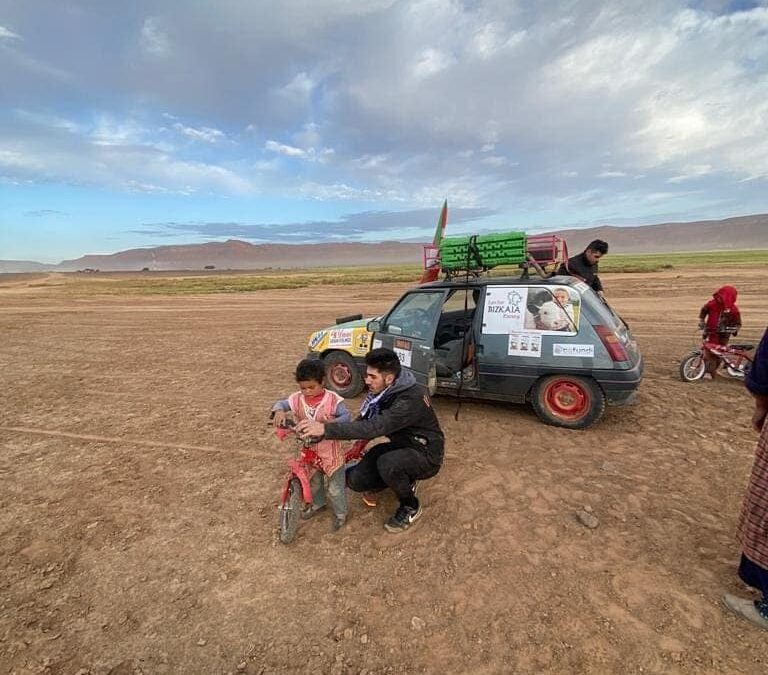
x,y
744,232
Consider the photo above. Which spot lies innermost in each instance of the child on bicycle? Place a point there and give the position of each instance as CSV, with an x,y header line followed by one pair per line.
x,y
719,318
314,402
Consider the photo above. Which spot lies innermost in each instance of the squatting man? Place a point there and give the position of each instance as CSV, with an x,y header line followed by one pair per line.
x,y
397,407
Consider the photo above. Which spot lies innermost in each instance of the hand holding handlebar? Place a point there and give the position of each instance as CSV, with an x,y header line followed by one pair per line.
x,y
310,429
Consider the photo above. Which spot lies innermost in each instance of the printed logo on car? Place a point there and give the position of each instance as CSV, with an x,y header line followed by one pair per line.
x,y
340,337
583,351
316,339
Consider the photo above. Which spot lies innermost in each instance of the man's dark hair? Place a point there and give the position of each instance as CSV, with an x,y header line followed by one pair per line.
x,y
310,370
384,360
599,246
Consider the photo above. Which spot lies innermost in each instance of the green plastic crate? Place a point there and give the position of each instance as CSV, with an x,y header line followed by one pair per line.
x,y
499,248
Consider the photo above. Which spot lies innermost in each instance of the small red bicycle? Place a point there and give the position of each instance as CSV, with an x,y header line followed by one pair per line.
x,y
734,357
297,493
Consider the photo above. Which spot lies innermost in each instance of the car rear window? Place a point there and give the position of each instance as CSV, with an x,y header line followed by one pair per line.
x,y
604,314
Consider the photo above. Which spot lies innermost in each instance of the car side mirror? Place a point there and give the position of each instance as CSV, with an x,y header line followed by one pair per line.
x,y
374,326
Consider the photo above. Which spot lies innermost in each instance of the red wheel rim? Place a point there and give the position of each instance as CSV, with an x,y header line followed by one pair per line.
x,y
340,375
567,399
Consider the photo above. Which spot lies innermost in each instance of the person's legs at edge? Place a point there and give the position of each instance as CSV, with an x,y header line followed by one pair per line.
x,y
336,490
754,611
317,485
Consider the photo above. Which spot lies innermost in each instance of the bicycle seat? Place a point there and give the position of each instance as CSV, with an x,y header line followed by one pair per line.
x,y
743,346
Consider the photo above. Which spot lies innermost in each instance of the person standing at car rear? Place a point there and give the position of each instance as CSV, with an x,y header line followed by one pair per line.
x,y
399,408
753,523
584,265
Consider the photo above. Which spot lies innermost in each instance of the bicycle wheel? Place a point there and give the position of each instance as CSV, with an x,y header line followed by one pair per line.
x,y
692,367
290,511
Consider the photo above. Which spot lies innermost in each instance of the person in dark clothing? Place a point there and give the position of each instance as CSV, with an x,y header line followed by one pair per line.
x,y
753,523
399,408
584,265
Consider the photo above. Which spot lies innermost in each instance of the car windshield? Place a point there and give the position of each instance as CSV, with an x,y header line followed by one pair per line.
x,y
415,316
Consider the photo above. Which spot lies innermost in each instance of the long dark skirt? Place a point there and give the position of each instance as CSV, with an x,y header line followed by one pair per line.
x,y
753,575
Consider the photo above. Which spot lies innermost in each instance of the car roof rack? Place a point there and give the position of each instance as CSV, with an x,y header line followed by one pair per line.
x,y
475,255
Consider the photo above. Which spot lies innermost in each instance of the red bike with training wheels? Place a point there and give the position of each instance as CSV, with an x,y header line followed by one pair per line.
x,y
734,358
297,493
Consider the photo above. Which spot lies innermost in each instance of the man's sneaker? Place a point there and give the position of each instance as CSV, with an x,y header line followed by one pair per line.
x,y
746,609
404,517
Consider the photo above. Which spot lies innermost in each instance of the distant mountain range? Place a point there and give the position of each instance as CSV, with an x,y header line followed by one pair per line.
x,y
743,232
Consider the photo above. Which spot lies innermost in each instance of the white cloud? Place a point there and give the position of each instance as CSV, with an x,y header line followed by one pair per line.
x,y
7,34
206,134
430,62
13,159
153,39
404,101
495,160
109,152
691,171
299,87
317,155
282,149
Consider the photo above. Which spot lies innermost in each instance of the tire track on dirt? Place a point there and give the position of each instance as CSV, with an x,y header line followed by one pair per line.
x,y
116,439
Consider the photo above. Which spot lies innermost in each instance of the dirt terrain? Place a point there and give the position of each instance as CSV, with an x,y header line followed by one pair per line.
x,y
139,483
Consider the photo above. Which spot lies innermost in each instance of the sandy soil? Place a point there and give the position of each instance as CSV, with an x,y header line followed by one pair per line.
x,y
139,483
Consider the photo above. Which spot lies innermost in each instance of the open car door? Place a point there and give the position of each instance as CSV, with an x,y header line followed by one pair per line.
x,y
409,329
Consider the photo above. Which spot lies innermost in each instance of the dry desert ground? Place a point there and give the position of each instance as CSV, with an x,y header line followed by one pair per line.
x,y
139,483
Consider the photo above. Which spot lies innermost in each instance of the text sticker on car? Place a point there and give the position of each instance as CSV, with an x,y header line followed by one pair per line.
x,y
583,351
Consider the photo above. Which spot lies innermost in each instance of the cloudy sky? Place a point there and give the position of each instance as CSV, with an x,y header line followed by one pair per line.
x,y
126,124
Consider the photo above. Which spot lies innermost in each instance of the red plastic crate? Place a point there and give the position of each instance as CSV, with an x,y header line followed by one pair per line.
x,y
547,249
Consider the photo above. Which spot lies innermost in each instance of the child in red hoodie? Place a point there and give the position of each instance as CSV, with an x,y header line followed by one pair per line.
x,y
719,318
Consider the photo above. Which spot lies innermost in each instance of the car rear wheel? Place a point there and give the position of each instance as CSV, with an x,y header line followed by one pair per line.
x,y
342,374
568,401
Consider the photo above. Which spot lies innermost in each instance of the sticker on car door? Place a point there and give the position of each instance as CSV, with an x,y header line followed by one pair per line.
x,y
534,310
524,344
404,351
583,351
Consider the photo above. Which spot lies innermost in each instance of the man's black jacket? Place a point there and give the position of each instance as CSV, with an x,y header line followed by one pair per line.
x,y
579,266
405,416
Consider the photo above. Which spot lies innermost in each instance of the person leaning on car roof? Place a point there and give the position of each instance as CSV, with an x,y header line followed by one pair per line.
x,y
584,265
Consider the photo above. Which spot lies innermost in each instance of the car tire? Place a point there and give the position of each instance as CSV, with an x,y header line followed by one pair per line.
x,y
342,374
568,401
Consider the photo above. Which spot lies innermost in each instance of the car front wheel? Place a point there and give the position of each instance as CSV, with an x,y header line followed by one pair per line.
x,y
568,401
342,374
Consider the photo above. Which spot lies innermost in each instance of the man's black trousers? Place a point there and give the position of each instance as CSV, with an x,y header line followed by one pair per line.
x,y
393,466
